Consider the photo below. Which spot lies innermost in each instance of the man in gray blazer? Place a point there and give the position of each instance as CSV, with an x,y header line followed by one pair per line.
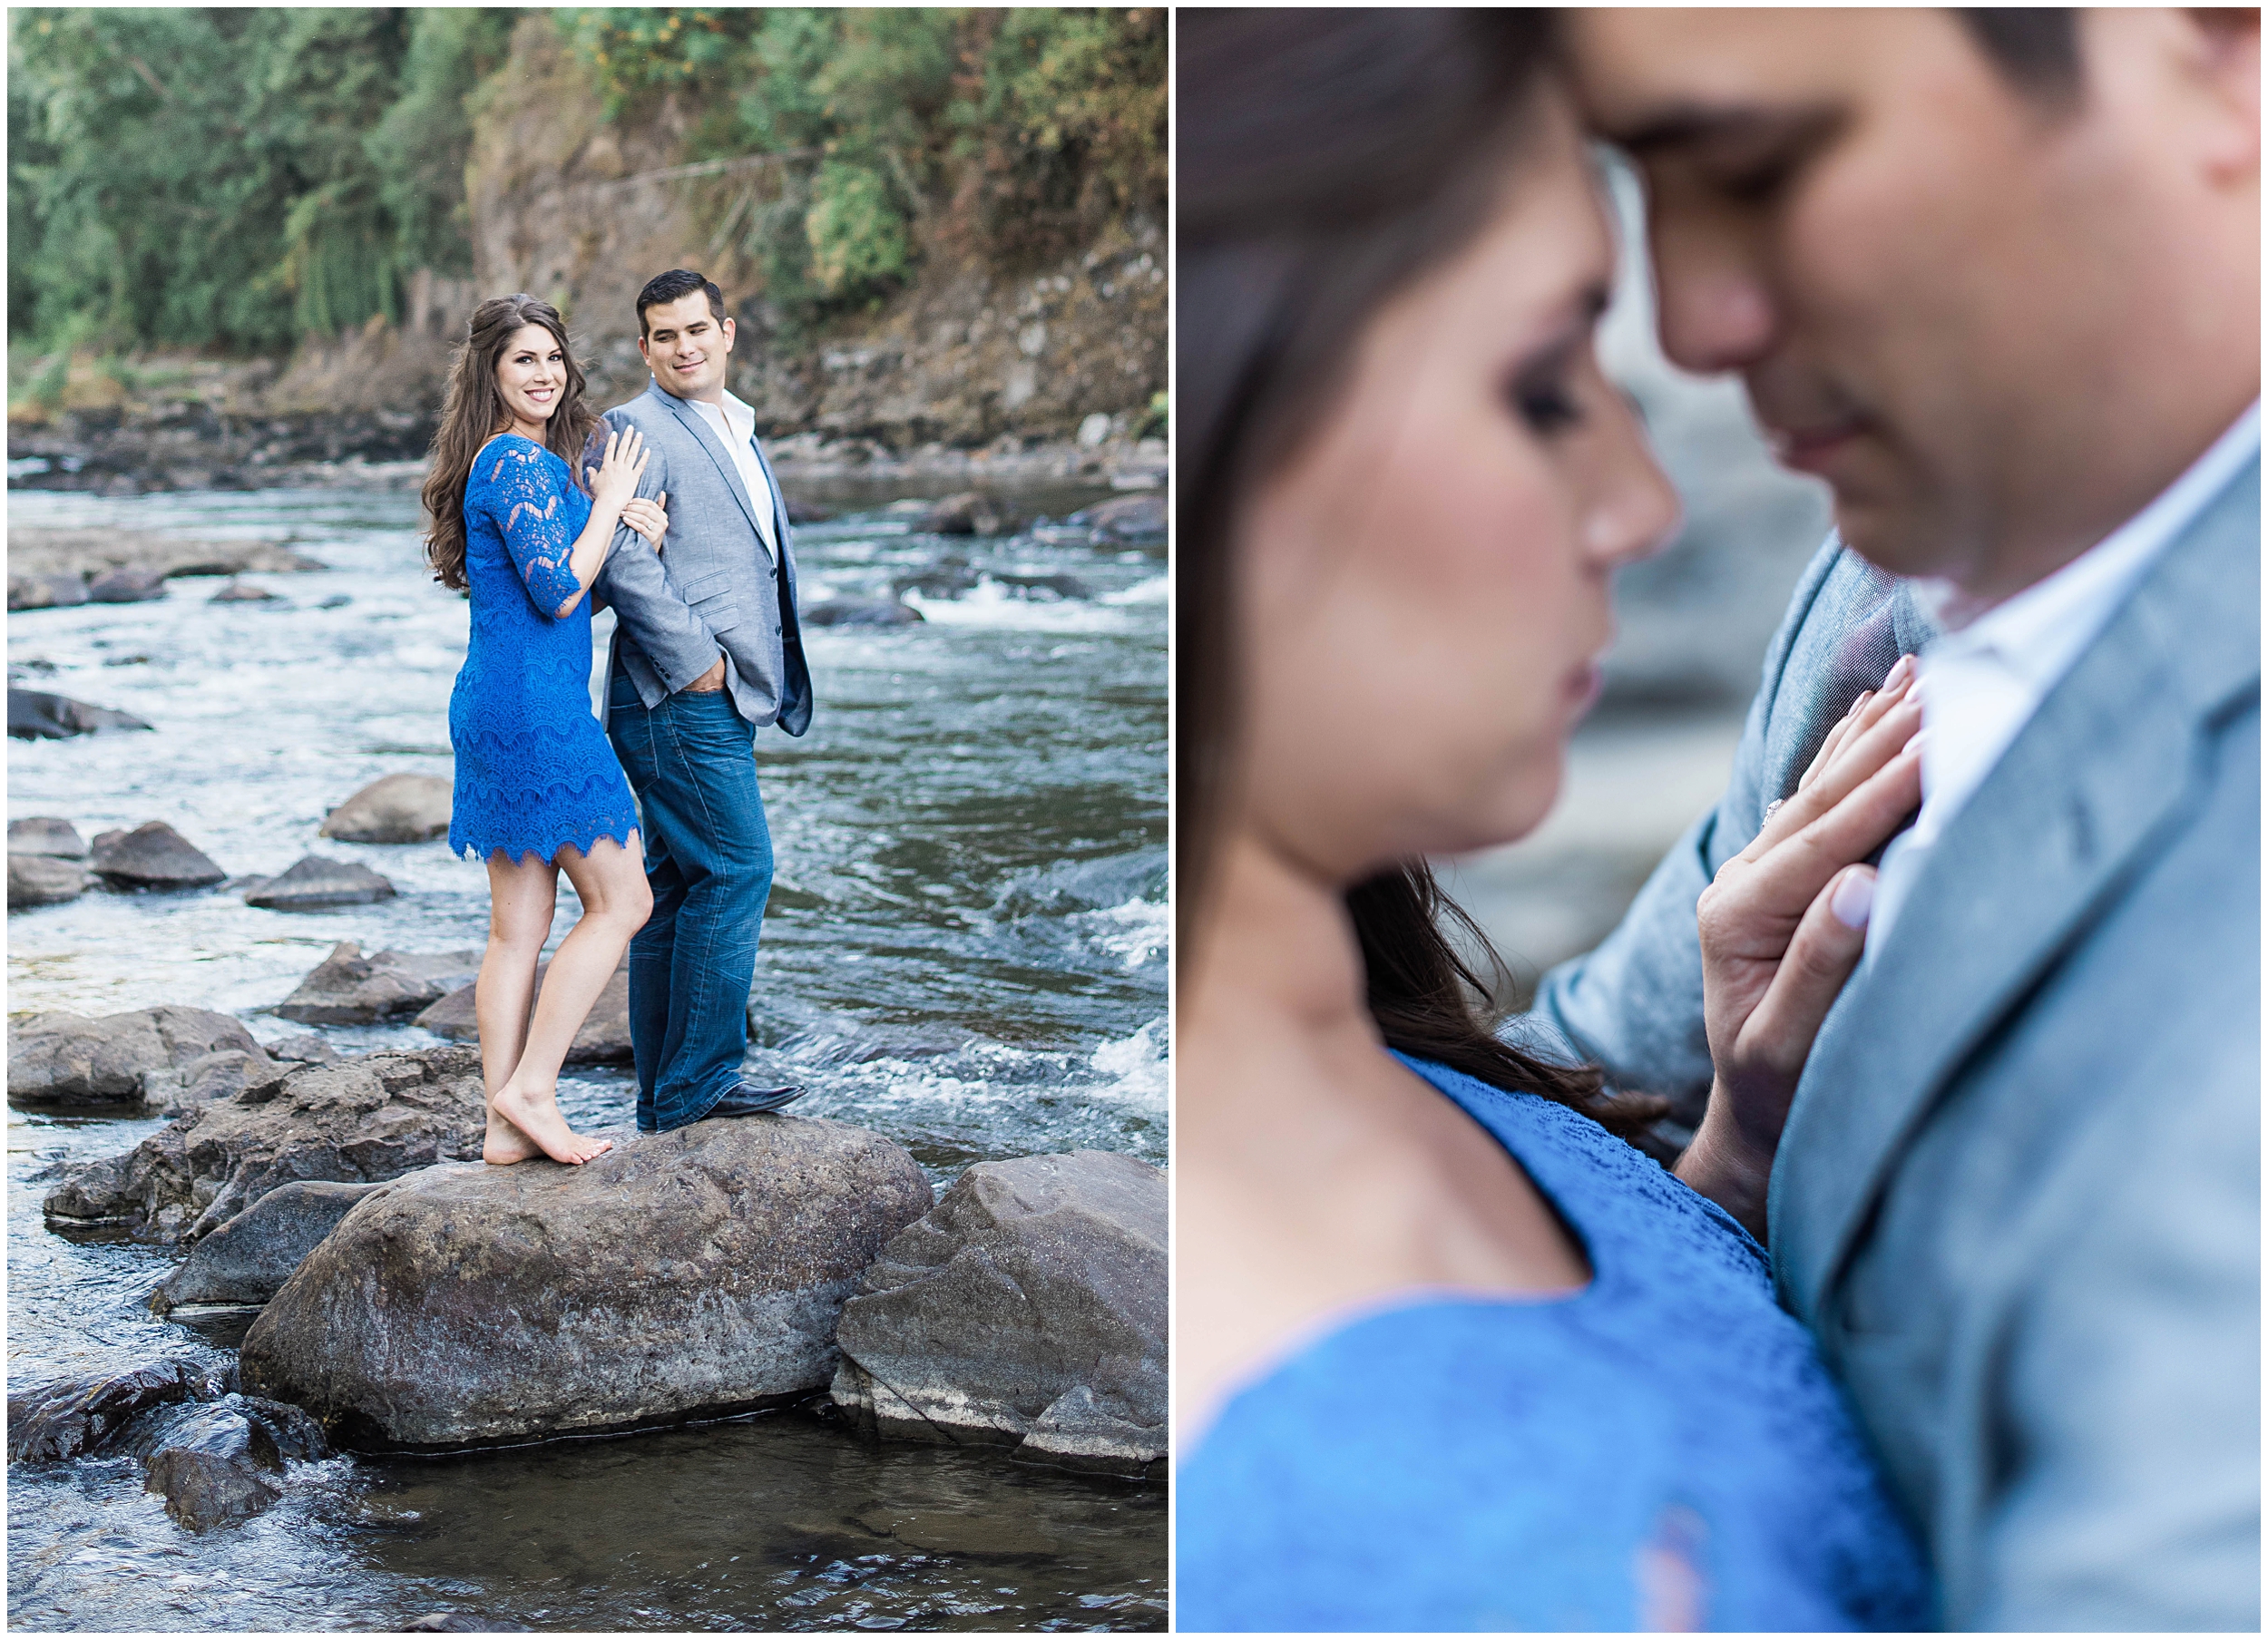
x,y
1995,276
707,651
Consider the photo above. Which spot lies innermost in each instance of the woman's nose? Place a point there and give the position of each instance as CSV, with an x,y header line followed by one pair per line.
x,y
1633,510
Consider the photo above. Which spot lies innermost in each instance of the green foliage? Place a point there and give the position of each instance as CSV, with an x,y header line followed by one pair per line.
x,y
1008,133
237,178
233,178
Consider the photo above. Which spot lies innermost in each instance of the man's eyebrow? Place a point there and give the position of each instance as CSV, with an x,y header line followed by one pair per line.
x,y
1701,125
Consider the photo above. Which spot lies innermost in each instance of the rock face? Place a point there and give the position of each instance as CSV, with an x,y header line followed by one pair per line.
x,y
244,591
678,1274
350,989
398,808
362,1120
246,1260
152,855
43,880
79,1415
79,555
1030,1307
316,884
34,714
121,1059
604,1039
46,835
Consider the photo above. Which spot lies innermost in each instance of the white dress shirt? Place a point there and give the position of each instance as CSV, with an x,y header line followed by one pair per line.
x,y
1982,684
734,424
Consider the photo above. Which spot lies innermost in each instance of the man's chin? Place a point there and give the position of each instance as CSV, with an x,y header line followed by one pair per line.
x,y
1892,538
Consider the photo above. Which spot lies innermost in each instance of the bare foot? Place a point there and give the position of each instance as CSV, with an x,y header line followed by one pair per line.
x,y
506,1144
538,1117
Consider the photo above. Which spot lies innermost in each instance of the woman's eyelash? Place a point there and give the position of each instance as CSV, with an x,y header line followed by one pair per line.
x,y
1546,402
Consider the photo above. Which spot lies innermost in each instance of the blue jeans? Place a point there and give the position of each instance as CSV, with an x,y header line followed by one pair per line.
x,y
709,860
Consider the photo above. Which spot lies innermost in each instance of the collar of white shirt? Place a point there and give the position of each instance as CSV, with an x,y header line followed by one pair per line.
x,y
735,424
1982,684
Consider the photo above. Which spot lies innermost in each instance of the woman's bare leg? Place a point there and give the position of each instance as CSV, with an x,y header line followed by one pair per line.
x,y
611,881
521,897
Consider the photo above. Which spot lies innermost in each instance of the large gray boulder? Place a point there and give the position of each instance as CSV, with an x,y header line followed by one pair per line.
x,y
350,989
121,1059
45,591
246,1260
398,808
315,884
133,583
362,1120
76,1416
678,1275
604,1039
44,880
46,835
36,715
1029,1308
152,855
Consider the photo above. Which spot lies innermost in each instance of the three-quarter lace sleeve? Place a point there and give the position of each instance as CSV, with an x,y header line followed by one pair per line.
x,y
528,501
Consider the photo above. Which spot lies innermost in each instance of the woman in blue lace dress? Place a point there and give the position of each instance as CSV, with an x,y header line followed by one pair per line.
x,y
1450,1350
538,789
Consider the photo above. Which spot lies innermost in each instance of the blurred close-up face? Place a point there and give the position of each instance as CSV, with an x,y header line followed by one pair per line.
x,y
1960,302
532,373
1421,585
686,346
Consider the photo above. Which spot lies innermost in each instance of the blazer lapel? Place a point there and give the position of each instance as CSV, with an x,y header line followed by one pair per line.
x,y
698,426
2100,770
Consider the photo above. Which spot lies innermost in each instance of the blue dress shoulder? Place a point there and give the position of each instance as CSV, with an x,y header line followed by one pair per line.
x,y
1662,1450
534,768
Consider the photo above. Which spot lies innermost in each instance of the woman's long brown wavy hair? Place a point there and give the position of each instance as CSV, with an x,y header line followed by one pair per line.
x,y
475,412
1325,158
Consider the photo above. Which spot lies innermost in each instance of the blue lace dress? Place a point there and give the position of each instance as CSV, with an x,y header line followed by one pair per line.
x,y
1661,1449
534,768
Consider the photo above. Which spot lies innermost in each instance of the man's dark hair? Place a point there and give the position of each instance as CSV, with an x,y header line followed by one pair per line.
x,y
2036,49
677,283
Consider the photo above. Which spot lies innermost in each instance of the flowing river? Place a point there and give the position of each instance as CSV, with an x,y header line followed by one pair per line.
x,y
965,951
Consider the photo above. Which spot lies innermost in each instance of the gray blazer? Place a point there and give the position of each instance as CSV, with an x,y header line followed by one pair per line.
x,y
713,589
2018,1198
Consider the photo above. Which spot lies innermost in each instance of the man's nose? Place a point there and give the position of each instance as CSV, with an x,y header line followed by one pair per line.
x,y
1714,313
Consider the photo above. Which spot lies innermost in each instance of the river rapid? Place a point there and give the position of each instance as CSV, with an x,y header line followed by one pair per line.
x,y
965,949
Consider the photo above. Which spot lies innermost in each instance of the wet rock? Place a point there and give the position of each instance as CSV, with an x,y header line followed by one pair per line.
x,y
152,855
132,584
449,1620
43,880
1125,518
305,1049
250,1076
604,1039
35,715
215,1465
807,512
969,514
121,1059
45,591
950,579
1029,1307
363,1120
678,1274
350,989
397,808
46,835
246,1260
316,884
79,1415
81,555
860,612
1047,587
244,591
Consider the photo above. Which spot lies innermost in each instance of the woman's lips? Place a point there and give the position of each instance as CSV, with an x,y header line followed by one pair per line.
x,y
1813,450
